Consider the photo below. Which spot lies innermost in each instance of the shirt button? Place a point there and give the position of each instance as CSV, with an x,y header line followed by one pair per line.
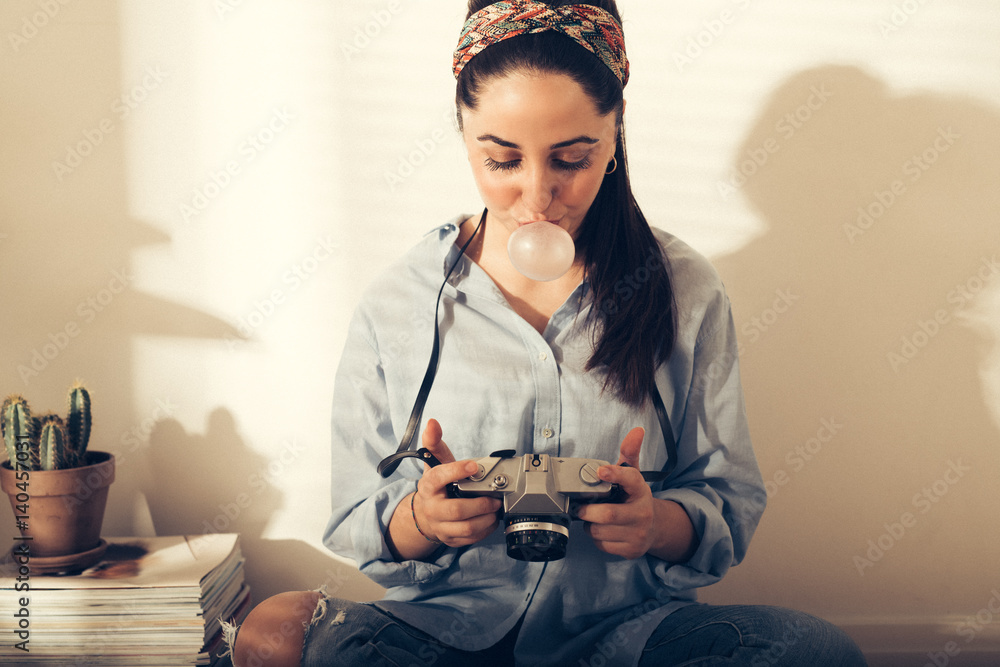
x,y
543,356
548,433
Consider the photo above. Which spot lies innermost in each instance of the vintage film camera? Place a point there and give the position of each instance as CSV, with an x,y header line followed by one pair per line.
x,y
537,492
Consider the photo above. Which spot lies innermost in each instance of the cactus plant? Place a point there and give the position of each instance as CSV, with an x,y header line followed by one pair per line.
x,y
53,443
17,426
78,423
53,452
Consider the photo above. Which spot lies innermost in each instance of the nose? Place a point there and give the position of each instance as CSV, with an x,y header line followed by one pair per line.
x,y
540,187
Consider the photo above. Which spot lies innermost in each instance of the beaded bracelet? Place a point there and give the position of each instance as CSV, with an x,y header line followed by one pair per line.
x,y
416,525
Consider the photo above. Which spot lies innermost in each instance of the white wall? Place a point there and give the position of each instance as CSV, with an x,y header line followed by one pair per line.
x,y
313,142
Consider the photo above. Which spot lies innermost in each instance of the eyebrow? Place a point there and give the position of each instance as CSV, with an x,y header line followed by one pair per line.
x,y
582,139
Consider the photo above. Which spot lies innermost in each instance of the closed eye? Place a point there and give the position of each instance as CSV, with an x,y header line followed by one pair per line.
x,y
493,165
580,165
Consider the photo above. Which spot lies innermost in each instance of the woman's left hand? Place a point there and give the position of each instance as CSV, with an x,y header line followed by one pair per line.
x,y
640,524
624,529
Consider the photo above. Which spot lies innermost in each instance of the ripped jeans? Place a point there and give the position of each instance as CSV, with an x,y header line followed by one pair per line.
x,y
351,633
698,635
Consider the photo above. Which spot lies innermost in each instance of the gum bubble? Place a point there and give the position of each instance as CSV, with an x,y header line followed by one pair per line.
x,y
541,251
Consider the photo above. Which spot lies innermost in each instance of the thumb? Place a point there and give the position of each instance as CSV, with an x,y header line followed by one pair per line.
x,y
431,439
631,446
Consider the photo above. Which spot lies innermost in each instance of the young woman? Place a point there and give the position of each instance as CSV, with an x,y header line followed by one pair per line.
x,y
574,366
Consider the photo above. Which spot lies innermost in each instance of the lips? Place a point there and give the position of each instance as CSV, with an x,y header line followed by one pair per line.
x,y
531,222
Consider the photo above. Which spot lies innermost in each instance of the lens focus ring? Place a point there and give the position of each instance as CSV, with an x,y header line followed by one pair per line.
x,y
521,526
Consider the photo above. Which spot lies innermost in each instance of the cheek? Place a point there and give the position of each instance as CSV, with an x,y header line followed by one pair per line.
x,y
582,190
494,190
498,190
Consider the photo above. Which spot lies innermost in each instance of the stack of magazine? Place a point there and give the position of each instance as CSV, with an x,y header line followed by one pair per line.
x,y
152,601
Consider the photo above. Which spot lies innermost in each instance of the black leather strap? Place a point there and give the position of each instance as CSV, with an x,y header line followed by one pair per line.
x,y
388,465
668,440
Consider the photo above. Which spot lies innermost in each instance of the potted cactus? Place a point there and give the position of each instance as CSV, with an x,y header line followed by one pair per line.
x,y
58,490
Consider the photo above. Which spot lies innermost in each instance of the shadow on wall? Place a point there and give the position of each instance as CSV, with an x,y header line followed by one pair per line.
x,y
70,304
861,357
72,307
238,496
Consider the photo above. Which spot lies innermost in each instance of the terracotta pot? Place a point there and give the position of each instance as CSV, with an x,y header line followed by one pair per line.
x,y
65,510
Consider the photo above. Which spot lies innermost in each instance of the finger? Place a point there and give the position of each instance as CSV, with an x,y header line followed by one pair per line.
x,y
630,479
468,532
437,478
604,533
631,446
431,440
598,514
482,509
455,521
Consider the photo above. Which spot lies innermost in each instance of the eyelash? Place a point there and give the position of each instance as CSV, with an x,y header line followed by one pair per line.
x,y
505,167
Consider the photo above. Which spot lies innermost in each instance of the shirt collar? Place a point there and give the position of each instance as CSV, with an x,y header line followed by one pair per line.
x,y
447,234
464,271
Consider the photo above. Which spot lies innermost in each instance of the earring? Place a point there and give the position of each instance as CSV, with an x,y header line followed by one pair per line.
x,y
612,166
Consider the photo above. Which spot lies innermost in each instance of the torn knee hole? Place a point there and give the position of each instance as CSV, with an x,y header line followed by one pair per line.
x,y
322,607
229,634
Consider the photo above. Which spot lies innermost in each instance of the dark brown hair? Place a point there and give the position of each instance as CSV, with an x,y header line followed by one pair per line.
x,y
633,316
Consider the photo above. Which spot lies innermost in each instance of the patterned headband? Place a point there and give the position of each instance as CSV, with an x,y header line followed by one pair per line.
x,y
591,27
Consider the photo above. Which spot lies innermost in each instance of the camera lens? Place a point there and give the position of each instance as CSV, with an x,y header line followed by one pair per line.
x,y
537,538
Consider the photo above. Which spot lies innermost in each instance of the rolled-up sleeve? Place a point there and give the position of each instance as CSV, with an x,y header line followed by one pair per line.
x,y
717,479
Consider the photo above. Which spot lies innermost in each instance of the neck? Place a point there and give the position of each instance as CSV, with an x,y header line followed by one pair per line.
x,y
534,301
489,251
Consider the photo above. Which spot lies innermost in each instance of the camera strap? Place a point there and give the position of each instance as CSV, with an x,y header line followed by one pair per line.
x,y
389,464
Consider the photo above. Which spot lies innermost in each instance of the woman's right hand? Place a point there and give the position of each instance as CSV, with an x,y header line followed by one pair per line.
x,y
442,519
456,522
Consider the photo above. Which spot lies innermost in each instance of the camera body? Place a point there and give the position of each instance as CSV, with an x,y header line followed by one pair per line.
x,y
537,491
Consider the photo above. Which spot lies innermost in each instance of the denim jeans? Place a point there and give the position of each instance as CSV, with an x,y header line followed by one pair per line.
x,y
704,635
349,633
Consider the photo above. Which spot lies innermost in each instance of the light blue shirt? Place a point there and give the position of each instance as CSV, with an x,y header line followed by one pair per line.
x,y
502,385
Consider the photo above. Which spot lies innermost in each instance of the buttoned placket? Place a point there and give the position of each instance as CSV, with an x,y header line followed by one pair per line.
x,y
470,279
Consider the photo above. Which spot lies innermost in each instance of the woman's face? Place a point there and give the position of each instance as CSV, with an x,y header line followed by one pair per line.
x,y
538,149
